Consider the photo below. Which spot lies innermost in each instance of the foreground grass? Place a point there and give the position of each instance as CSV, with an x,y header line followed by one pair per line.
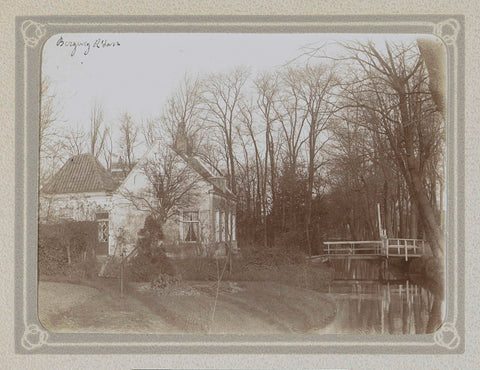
x,y
302,275
250,300
73,308
242,308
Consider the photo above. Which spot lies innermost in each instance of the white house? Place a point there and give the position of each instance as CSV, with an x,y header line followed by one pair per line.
x,y
83,190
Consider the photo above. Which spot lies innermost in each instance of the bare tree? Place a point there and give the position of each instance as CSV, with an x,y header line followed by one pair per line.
x,y
246,192
392,88
97,130
211,154
75,140
108,149
51,154
358,170
172,185
267,95
184,116
150,131
313,85
293,121
128,140
223,95
48,111
258,178
434,55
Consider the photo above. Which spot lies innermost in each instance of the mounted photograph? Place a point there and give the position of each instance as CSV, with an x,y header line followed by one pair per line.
x,y
242,183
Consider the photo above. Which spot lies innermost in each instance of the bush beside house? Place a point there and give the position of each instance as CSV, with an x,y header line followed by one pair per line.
x,y
67,248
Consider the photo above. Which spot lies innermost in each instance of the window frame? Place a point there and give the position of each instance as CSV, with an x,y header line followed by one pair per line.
x,y
184,226
103,218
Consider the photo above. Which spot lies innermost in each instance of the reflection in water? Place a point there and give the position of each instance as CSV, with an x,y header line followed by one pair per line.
x,y
371,300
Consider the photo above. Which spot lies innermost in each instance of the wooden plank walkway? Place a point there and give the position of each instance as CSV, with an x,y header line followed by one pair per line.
x,y
368,249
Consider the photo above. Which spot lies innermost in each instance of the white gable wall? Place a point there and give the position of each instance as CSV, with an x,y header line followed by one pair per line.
x,y
128,219
76,206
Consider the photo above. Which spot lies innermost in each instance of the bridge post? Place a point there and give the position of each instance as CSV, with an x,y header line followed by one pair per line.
x,y
385,245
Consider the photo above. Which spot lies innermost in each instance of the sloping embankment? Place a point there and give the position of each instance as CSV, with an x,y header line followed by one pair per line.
x,y
258,307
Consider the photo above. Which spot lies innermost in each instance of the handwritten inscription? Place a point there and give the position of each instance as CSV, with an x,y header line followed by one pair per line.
x,y
86,46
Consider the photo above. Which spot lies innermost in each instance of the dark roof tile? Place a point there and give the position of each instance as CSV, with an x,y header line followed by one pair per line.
x,y
81,173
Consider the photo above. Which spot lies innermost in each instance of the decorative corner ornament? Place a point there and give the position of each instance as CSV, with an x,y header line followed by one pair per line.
x,y
34,337
447,30
32,32
447,336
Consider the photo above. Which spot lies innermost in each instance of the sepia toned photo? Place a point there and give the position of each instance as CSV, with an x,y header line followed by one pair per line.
x,y
227,183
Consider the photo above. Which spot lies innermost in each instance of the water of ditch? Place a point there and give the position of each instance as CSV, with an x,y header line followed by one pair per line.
x,y
373,300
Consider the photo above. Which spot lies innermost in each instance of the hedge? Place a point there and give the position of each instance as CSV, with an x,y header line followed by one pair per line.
x,y
63,246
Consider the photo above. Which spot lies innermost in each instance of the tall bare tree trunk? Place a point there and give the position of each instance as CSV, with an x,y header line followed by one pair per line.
x,y
308,200
415,184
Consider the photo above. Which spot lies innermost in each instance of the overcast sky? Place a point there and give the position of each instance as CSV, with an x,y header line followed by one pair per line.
x,y
139,72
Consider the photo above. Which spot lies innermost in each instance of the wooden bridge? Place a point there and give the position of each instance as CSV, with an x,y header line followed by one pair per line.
x,y
386,248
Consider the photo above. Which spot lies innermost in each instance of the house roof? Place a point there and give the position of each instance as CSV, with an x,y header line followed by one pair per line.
x,y
81,173
200,168
85,174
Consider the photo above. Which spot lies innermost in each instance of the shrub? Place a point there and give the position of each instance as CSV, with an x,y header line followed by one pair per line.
x,y
151,259
143,267
198,268
67,246
150,236
164,281
283,252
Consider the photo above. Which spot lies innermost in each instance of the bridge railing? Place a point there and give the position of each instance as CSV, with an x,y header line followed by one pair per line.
x,y
366,248
397,247
391,247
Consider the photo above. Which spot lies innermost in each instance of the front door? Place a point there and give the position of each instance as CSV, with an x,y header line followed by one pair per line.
x,y
102,222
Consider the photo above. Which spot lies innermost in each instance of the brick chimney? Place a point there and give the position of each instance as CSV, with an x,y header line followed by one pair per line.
x,y
181,139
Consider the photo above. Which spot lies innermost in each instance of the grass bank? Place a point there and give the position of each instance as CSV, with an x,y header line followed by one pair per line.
x,y
249,299
303,275
253,307
73,308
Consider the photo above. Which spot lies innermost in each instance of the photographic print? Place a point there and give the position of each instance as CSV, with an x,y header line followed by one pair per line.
x,y
239,183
